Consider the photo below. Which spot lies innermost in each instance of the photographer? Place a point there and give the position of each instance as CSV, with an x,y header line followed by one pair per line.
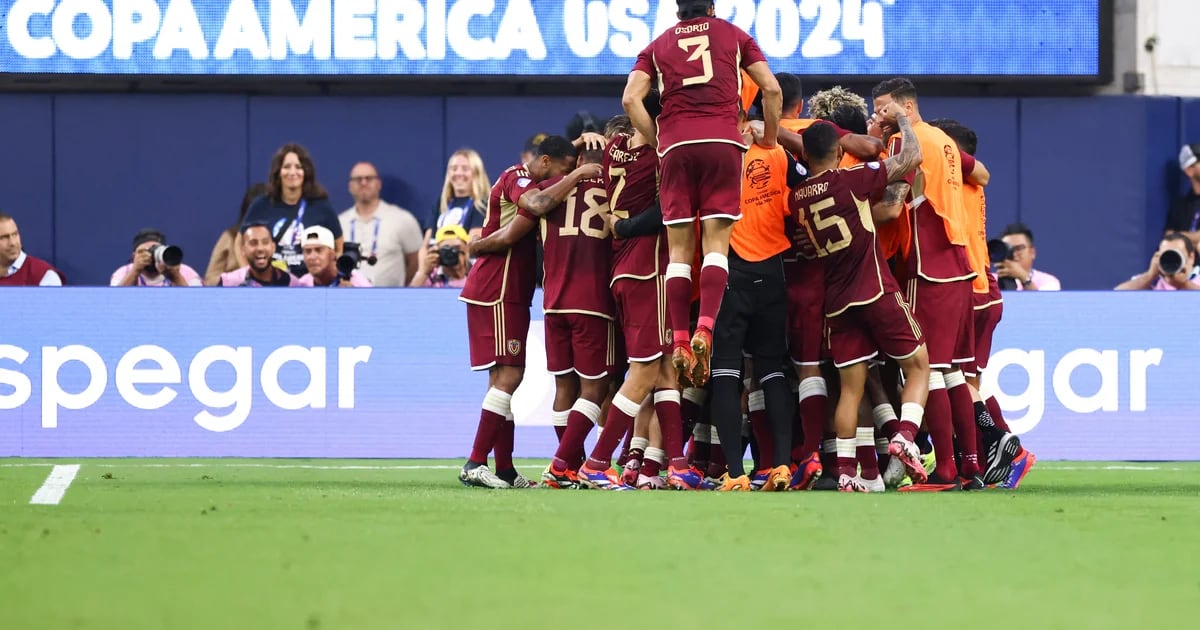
x,y
317,246
445,263
1172,267
1015,270
155,264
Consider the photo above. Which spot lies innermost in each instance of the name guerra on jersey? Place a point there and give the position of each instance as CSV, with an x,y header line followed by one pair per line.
x,y
473,30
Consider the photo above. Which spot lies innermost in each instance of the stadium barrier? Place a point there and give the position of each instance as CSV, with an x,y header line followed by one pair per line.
x,y
383,373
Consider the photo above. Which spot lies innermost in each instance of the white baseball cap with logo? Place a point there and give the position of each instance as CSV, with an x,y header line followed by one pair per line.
x,y
317,235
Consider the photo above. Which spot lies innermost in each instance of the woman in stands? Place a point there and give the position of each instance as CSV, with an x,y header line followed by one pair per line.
x,y
464,195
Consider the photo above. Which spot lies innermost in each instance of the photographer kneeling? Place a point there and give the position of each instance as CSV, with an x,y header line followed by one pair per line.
x,y
1173,267
324,267
444,264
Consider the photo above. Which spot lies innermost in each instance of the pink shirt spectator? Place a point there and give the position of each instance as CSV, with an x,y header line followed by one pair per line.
x,y
1042,281
242,278
356,280
189,276
1162,285
439,280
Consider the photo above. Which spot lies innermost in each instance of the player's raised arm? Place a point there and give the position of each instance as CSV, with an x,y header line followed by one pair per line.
x,y
909,157
772,102
978,175
637,86
539,202
863,147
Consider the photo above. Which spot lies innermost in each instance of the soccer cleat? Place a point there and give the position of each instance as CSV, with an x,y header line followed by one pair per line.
x,y
759,479
806,473
929,461
600,479
482,477
873,485
735,484
1002,449
651,483
894,474
778,479
846,483
631,472
1020,467
972,483
701,352
520,482
687,479
684,362
933,484
909,456
559,479
825,482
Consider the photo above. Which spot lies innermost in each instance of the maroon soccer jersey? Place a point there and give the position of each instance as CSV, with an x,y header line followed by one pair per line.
x,y
578,254
631,179
834,210
510,276
697,66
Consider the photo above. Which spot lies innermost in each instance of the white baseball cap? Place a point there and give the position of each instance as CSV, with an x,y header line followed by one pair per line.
x,y
317,235
1187,156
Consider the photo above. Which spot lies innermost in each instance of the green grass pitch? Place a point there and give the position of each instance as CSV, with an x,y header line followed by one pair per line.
x,y
310,544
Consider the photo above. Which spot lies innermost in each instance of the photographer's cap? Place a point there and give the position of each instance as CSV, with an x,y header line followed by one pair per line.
x,y
1188,155
454,230
317,235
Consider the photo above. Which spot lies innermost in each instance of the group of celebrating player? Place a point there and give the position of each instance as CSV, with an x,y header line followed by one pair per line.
x,y
800,229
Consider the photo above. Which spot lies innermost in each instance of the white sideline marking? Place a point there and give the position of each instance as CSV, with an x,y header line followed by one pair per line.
x,y
56,485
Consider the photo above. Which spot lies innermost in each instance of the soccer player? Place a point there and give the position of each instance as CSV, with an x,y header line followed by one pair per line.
x,y
939,287
863,306
1000,445
697,67
498,293
579,309
753,319
631,166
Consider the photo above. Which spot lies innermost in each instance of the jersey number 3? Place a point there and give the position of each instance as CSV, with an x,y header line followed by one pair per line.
x,y
698,47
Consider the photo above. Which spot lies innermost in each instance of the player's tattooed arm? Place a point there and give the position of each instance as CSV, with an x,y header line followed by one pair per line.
x,y
909,157
503,239
636,89
863,147
540,202
891,204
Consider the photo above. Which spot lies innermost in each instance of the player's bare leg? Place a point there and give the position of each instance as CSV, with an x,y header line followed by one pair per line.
x,y
681,241
495,433
566,391
845,424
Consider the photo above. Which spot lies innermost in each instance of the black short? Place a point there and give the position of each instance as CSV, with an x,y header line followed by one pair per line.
x,y
753,316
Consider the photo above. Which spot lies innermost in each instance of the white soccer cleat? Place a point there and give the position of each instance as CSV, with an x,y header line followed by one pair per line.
x,y
651,483
894,474
873,485
521,482
846,483
909,456
483,477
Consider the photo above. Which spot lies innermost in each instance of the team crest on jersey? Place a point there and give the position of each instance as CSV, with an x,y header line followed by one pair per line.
x,y
523,181
873,165
758,173
514,347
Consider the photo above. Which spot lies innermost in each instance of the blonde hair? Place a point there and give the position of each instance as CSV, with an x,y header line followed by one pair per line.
x,y
480,184
824,103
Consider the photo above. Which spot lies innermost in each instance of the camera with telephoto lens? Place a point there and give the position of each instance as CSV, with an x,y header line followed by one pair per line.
x,y
998,252
166,255
1171,262
448,255
351,259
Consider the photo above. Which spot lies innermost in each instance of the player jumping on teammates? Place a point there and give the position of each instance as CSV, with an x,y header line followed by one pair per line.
x,y
697,66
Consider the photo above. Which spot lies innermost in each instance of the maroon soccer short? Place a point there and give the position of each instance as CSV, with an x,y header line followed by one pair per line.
x,y
641,309
860,332
579,343
497,334
806,317
702,179
987,315
943,309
